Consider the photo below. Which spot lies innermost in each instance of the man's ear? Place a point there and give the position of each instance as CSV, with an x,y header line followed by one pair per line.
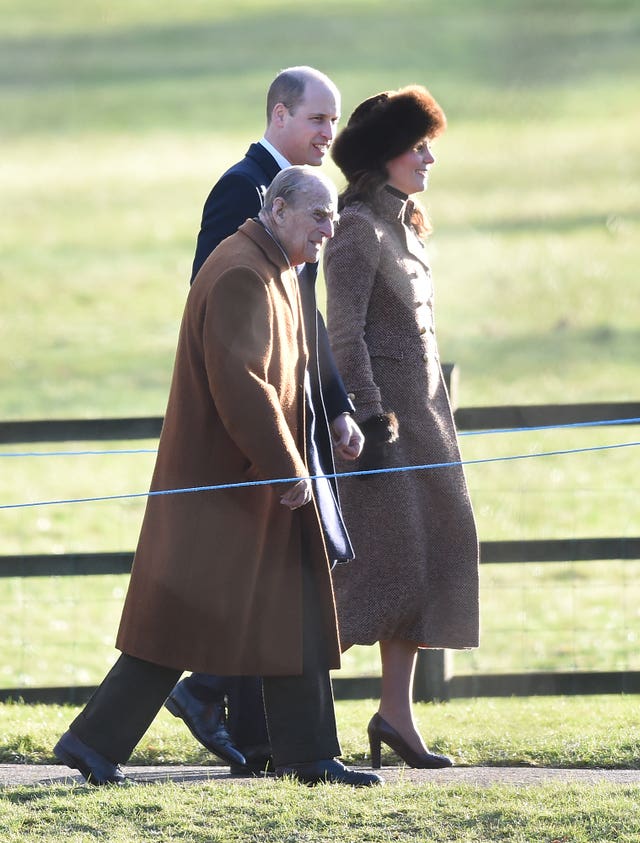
x,y
277,208
279,114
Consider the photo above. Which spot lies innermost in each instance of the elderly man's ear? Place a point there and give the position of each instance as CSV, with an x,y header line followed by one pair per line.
x,y
278,208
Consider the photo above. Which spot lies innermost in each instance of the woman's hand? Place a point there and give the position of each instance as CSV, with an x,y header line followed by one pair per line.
x,y
380,433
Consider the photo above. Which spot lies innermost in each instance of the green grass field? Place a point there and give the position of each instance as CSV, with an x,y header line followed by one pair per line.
x,y
563,732
559,732
117,117
286,813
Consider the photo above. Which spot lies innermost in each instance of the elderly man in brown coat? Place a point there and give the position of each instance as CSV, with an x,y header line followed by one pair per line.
x,y
234,580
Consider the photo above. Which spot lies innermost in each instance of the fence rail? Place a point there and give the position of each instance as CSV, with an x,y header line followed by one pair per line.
x,y
434,675
467,418
532,550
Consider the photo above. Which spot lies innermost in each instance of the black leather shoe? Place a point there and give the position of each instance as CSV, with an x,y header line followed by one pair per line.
x,y
327,770
382,732
94,767
258,767
259,761
205,721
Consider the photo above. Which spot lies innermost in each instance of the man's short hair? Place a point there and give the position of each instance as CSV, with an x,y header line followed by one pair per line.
x,y
285,186
289,86
290,182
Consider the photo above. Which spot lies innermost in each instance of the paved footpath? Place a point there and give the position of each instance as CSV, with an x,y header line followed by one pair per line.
x,y
13,775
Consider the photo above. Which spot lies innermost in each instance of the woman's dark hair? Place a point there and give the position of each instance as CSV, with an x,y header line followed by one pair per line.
x,y
381,128
367,186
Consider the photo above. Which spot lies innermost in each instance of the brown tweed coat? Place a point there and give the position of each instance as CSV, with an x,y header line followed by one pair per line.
x,y
415,576
216,582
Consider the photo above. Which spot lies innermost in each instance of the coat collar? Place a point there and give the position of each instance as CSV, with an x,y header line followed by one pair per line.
x,y
264,160
395,208
256,232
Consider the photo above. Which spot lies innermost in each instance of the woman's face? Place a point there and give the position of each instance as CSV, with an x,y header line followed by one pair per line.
x,y
409,172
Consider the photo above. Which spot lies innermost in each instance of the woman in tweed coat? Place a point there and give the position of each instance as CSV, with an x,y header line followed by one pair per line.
x,y
414,582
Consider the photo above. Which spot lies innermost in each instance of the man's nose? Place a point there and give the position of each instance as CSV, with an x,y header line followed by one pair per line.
x,y
327,228
328,130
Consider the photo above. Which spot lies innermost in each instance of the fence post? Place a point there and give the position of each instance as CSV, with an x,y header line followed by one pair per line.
x,y
434,669
451,374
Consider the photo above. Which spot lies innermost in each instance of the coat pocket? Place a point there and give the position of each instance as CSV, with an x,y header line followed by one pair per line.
x,y
385,347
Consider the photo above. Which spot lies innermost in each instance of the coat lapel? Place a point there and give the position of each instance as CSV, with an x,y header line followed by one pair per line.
x,y
399,210
265,161
286,274
414,245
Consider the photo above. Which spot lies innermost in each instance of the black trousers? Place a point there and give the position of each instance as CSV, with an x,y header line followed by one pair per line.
x,y
246,721
299,709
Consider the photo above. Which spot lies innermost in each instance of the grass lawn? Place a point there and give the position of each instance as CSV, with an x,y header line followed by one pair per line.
x,y
588,731
281,812
559,732
116,120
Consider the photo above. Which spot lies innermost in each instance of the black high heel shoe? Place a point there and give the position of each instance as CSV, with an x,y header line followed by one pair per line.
x,y
380,731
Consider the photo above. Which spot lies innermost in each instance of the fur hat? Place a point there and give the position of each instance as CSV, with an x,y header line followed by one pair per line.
x,y
384,126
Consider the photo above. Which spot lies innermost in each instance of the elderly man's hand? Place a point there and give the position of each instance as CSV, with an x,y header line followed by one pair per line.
x,y
347,437
298,495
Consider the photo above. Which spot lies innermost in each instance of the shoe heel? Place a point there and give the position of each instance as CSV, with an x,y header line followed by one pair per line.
x,y
376,754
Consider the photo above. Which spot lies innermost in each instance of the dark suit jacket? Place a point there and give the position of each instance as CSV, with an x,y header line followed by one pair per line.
x,y
236,196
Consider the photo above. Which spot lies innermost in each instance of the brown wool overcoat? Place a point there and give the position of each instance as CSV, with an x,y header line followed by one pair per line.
x,y
415,575
216,580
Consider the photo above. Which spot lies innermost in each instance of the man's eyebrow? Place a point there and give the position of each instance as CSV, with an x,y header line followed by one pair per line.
x,y
326,211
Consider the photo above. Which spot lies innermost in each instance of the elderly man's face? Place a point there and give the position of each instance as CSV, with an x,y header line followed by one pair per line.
x,y
306,222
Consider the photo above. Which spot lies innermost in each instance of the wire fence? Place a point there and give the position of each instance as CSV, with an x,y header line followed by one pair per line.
x,y
538,615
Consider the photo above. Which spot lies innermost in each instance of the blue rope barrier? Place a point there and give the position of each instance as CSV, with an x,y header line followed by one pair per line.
x,y
393,470
602,423
114,452
119,451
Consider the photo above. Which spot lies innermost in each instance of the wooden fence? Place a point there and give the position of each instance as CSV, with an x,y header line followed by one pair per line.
x,y
435,678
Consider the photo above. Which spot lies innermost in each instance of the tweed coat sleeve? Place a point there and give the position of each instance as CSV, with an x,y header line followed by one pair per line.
x,y
351,262
336,400
243,358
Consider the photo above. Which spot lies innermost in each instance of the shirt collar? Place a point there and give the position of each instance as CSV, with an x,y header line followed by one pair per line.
x,y
281,161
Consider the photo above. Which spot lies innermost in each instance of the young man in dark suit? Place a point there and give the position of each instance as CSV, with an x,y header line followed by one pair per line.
x,y
303,108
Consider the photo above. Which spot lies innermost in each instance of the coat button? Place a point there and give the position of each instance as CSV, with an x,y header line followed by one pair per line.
x,y
351,396
425,357
423,330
